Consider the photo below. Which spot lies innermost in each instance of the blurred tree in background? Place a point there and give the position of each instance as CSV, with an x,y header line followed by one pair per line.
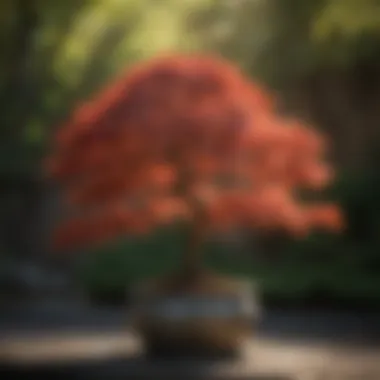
x,y
322,56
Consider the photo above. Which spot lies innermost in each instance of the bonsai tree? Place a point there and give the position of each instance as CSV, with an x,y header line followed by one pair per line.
x,y
186,138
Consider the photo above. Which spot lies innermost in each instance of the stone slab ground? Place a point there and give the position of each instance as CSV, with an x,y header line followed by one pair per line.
x,y
115,355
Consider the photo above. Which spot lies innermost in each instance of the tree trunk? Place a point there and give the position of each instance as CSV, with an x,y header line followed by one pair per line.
x,y
192,257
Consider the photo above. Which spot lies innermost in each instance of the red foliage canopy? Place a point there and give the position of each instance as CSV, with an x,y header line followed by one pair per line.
x,y
176,130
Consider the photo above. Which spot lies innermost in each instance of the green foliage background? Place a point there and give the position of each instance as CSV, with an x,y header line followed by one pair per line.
x,y
321,56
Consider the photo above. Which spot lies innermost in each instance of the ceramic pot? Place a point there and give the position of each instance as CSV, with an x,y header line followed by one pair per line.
x,y
208,315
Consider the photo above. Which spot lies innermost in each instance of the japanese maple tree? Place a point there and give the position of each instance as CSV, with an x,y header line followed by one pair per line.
x,y
186,138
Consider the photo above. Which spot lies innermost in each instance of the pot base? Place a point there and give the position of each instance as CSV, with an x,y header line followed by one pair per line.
x,y
162,350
